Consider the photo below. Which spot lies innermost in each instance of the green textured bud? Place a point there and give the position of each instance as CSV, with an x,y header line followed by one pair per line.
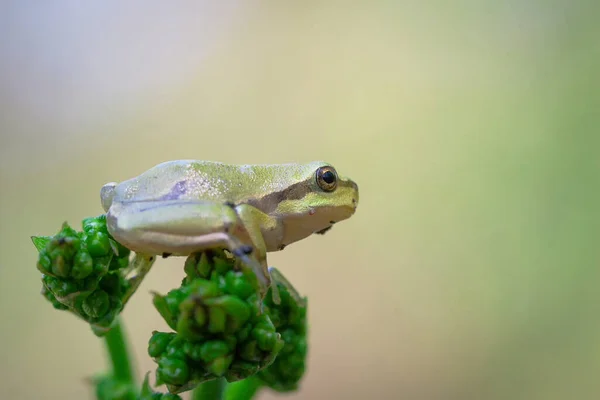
x,y
172,371
124,261
60,250
231,342
241,369
61,267
217,320
98,244
67,231
185,325
198,266
213,349
237,285
158,343
244,332
266,339
222,265
101,265
199,316
220,365
112,284
250,351
83,265
44,264
60,288
236,310
286,371
89,284
114,264
193,350
94,224
97,304
175,348
52,299
204,289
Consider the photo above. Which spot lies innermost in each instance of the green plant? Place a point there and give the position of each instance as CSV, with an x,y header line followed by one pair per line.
x,y
225,341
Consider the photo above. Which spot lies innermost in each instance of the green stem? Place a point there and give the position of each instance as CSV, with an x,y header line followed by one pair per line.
x,y
243,390
116,345
211,390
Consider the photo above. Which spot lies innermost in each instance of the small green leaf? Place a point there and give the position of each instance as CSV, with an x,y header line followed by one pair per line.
x,y
160,303
40,242
147,392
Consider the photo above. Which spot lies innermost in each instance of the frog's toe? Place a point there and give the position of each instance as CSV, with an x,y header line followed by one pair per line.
x,y
275,296
243,250
278,278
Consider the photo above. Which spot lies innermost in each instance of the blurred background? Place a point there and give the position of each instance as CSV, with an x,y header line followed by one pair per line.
x,y
471,268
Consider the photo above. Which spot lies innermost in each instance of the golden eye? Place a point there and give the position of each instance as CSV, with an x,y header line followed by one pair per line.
x,y
327,178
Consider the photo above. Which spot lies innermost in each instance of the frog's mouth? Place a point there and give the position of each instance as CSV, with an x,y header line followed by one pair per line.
x,y
325,230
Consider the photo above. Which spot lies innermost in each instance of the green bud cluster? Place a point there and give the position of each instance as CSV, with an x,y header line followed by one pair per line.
x,y
220,329
289,319
82,271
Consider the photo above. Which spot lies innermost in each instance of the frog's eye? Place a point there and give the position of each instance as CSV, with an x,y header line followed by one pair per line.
x,y
327,178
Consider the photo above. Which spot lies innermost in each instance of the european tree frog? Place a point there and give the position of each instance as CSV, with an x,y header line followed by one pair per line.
x,y
187,206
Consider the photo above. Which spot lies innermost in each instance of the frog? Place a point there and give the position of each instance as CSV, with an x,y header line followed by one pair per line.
x,y
182,207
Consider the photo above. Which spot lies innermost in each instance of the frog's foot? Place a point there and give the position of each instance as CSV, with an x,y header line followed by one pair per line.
x,y
278,278
243,253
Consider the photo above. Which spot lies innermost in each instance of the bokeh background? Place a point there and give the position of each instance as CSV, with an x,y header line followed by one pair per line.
x,y
471,269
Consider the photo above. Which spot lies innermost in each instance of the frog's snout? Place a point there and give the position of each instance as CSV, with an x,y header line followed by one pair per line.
x,y
355,196
107,193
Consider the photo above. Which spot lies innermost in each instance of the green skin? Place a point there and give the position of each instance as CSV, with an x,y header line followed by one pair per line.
x,y
187,206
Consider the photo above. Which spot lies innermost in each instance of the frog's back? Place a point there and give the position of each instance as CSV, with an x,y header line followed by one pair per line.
x,y
195,180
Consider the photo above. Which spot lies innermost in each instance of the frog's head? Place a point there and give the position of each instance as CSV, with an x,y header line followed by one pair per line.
x,y
316,199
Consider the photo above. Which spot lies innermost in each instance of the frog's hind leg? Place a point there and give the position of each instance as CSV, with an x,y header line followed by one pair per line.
x,y
181,228
278,278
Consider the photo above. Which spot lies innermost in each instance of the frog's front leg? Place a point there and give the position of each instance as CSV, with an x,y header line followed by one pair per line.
x,y
256,223
182,228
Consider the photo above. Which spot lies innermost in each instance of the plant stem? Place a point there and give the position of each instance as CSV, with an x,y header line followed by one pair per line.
x,y
116,345
243,390
211,390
